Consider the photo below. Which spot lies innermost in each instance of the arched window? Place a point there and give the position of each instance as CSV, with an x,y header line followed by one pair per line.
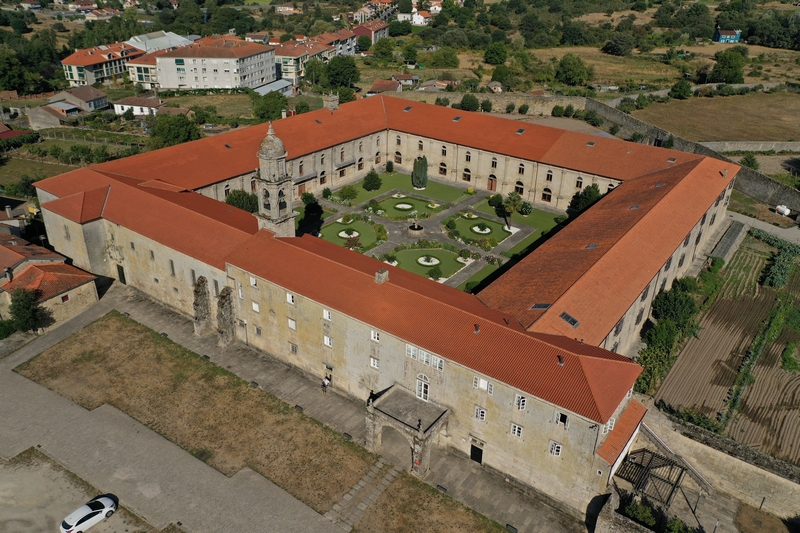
x,y
521,169
444,151
360,163
300,168
322,159
423,387
519,188
266,200
341,155
398,158
494,162
281,200
547,194
466,175
377,158
253,186
492,185
610,188
227,190
398,141
360,146
442,169
468,157
549,176
323,178
420,146
579,183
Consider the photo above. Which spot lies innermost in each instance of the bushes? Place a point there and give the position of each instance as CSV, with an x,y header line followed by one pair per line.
x,y
510,108
308,198
523,109
526,209
558,111
389,167
326,193
441,101
675,305
372,182
780,268
348,193
788,360
435,273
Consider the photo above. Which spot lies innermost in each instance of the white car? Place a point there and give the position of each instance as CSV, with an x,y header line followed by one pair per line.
x,y
92,513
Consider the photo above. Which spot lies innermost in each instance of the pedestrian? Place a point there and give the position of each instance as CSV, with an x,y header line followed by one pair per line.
x,y
325,383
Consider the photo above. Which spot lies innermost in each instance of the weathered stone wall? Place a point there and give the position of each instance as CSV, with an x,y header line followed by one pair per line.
x,y
537,105
765,146
610,521
748,181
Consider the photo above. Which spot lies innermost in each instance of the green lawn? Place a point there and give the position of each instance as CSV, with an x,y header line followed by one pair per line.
x,y
438,191
366,233
479,276
389,205
465,225
298,220
13,169
538,219
523,245
407,260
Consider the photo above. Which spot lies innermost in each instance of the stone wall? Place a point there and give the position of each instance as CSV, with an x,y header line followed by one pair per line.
x,y
763,146
610,521
537,105
748,181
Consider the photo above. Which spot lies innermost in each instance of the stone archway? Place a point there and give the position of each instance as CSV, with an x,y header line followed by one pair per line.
x,y
417,420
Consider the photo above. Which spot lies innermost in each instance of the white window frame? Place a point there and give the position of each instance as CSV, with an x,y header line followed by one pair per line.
x,y
423,387
556,449
256,307
253,282
480,413
630,393
424,357
258,331
240,291
608,426
290,298
374,363
437,363
327,341
483,384
557,419
411,351
327,315
516,430
520,401
292,324
375,336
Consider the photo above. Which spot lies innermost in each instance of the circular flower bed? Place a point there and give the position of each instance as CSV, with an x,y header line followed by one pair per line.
x,y
428,261
433,205
470,215
344,235
403,207
476,228
398,195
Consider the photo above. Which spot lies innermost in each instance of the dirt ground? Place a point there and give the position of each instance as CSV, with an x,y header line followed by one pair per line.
x,y
751,207
777,164
228,105
751,520
36,493
598,19
201,407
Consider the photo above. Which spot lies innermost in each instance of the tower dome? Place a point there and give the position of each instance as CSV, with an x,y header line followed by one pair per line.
x,y
271,147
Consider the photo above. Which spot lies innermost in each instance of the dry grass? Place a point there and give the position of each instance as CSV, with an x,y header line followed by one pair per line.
x,y
752,117
13,169
228,105
409,505
751,520
741,203
200,407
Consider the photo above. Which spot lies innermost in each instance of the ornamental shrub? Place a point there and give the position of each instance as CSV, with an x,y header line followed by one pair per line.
x,y
523,109
451,224
526,208
348,192
326,193
464,253
347,218
435,272
308,198
569,111
558,111
372,182
389,167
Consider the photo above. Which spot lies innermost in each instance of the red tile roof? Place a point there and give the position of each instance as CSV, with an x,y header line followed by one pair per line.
x,y
297,48
373,25
383,86
49,279
219,48
86,93
11,255
147,59
9,134
592,382
623,430
101,54
332,37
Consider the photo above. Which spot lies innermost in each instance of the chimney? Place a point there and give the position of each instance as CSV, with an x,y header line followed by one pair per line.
x,y
560,360
330,102
381,276
283,113
8,212
10,273
477,329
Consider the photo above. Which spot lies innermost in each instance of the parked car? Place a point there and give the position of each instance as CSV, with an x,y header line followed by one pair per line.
x,y
91,513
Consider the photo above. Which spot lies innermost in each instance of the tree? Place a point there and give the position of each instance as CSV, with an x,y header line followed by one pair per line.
x,y
419,174
469,103
571,70
342,71
128,114
346,94
749,161
269,106
510,107
372,182
729,68
399,28
410,53
348,192
26,311
486,106
445,57
404,6
308,198
364,43
173,129
383,49
302,107
587,197
389,167
315,72
523,109
681,90
100,154
677,306
513,203
496,54
244,200
621,44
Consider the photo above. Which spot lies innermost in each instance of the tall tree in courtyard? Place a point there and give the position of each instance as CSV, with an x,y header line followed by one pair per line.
x,y
25,310
243,200
364,43
587,197
419,175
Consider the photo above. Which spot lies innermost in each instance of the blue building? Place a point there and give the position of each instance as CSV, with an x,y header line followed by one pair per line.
x,y
726,36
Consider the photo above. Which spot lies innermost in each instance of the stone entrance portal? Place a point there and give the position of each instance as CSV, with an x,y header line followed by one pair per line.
x,y
417,420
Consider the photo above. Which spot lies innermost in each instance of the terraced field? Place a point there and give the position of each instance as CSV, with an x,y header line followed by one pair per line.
x,y
743,271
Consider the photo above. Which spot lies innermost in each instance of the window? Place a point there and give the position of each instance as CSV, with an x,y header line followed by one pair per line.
x,y
444,151
398,158
373,362
608,426
561,418
423,387
65,298
480,413
377,158
323,178
322,159
668,264
240,291
630,393
289,298
227,190
697,240
437,363
300,168
327,315
609,189
547,195
256,307
152,255
579,183
327,341
216,288
681,260
360,163
253,282
360,147
519,188
468,157
480,383
341,155
172,267
686,240
375,336
293,324
516,431
411,351
640,316
494,162
258,331
398,141
342,172
424,357
442,169
521,169
420,146
466,175
713,218
618,327
555,449
66,232
133,246
703,220
549,176
520,402
645,292
292,348
663,285
194,277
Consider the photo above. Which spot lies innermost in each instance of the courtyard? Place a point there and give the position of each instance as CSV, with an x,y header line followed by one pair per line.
x,y
455,221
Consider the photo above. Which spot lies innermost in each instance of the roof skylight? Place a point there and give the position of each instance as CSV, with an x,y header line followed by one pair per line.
x,y
671,160
456,119
406,110
541,306
591,246
633,207
569,319
520,131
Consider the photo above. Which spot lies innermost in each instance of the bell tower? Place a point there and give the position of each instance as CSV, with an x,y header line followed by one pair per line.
x,y
275,188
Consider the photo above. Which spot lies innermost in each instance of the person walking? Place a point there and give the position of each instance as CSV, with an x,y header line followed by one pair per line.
x,y
325,383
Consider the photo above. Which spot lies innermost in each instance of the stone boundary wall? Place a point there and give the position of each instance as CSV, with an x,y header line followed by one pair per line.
x,y
748,181
610,521
537,105
761,146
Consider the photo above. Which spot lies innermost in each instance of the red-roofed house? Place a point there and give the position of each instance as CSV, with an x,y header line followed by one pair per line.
x,y
98,64
385,86
144,69
420,18
519,377
374,29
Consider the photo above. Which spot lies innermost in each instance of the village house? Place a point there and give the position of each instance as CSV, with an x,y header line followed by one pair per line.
x,y
385,86
102,14
99,64
52,115
85,97
374,29
726,36
144,69
291,58
420,18
138,105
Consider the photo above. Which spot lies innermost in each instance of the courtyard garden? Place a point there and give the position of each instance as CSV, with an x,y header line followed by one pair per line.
x,y
421,261
476,230
355,233
401,182
400,206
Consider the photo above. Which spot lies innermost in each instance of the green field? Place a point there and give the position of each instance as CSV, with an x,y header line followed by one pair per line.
x,y
437,191
541,220
13,169
366,233
465,225
407,260
479,276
